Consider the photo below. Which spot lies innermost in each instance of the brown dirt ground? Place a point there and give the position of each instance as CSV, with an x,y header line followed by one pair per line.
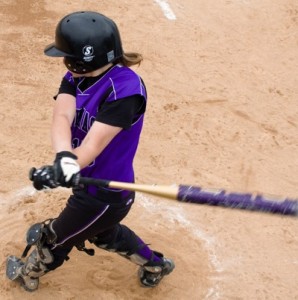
x,y
222,82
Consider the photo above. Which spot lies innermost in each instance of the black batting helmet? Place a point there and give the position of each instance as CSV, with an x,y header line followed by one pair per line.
x,y
87,41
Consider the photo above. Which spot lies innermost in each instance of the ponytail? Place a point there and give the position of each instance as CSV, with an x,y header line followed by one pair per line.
x,y
130,59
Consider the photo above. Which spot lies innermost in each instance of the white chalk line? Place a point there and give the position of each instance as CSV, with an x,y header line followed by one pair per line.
x,y
175,214
26,191
13,196
166,9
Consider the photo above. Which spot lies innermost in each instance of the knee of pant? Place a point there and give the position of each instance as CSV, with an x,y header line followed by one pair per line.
x,y
106,238
41,233
120,239
42,237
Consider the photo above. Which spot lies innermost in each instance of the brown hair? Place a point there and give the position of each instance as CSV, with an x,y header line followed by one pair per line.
x,y
130,59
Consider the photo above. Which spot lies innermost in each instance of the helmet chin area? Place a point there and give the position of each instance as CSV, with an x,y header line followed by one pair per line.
x,y
77,66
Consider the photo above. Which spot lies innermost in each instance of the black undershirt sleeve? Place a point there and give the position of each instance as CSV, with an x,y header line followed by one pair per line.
x,y
67,88
121,113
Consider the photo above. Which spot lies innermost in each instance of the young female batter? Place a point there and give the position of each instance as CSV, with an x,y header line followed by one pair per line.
x,y
97,121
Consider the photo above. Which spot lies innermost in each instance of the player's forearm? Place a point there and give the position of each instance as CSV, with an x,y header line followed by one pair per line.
x,y
63,115
86,155
61,134
99,136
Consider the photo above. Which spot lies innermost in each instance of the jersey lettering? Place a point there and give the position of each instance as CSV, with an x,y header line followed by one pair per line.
x,y
83,120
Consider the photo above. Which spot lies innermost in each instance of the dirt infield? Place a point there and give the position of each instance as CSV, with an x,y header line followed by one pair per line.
x,y
222,112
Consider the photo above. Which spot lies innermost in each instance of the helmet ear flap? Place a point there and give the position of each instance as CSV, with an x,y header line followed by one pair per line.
x,y
75,65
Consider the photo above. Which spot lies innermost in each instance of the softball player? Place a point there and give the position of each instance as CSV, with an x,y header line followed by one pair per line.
x,y
97,120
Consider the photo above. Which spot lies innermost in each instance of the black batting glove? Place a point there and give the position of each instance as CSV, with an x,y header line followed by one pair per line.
x,y
43,178
66,168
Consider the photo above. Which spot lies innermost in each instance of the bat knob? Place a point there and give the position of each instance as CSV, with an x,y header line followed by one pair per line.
x,y
31,173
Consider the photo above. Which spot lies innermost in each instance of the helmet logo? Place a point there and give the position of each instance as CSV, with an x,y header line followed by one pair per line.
x,y
88,53
110,56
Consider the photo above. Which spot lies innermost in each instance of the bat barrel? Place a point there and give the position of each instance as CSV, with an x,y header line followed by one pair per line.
x,y
237,200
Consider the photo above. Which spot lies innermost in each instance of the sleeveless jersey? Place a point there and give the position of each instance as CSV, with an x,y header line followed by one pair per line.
x,y
115,162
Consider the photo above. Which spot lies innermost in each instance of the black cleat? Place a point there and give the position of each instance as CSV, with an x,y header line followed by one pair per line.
x,y
152,273
14,266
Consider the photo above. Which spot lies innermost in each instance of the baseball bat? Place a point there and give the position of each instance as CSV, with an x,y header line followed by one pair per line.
x,y
199,195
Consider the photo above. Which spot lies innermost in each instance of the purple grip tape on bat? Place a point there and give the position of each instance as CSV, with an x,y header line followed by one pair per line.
x,y
237,200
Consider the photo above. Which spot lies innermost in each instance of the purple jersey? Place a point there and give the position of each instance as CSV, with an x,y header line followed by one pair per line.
x,y
115,162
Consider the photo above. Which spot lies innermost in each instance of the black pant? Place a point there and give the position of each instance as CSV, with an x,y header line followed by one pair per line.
x,y
86,216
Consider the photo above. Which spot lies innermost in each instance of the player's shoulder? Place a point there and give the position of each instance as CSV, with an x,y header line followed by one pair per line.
x,y
120,71
124,76
125,82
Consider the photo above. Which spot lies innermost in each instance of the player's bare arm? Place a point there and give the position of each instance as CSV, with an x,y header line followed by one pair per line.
x,y
63,115
98,137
